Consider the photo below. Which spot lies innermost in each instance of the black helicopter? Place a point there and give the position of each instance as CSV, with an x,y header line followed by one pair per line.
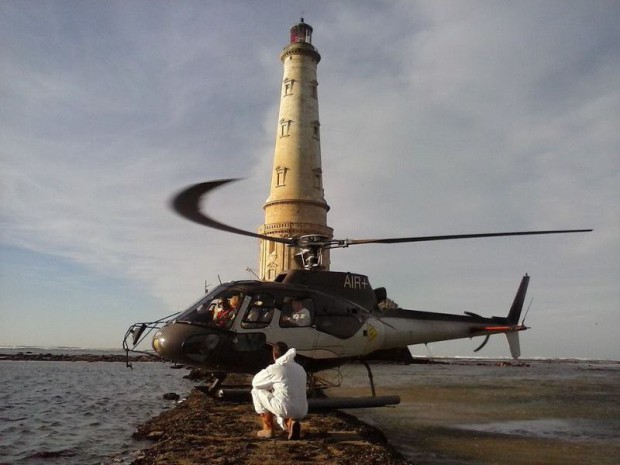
x,y
344,319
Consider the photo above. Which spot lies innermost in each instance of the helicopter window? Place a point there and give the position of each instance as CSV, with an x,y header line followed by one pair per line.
x,y
218,308
339,320
199,312
225,309
259,313
341,326
296,312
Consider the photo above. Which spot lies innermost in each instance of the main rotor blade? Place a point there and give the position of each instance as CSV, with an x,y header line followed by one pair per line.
x,y
396,240
187,204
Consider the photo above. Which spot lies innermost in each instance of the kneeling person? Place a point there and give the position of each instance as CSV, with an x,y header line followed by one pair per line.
x,y
280,389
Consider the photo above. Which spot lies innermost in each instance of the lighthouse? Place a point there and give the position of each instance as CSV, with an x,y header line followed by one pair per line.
x,y
296,204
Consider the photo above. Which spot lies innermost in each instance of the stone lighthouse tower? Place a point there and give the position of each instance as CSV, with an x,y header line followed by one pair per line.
x,y
296,205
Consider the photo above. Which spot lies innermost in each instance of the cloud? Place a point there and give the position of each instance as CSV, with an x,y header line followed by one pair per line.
x,y
436,119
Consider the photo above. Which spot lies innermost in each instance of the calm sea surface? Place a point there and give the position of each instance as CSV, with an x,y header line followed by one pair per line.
x,y
79,412
85,412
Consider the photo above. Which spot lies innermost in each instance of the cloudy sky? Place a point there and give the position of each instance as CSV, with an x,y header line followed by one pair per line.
x,y
436,118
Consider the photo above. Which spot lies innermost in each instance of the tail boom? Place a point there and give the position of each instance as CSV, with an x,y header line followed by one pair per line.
x,y
409,327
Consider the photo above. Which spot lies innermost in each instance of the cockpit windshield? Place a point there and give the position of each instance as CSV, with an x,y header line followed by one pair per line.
x,y
218,308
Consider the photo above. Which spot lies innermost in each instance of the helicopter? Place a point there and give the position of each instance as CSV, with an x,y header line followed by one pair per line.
x,y
330,317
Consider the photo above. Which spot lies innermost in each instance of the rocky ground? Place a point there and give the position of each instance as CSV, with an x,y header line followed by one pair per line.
x,y
205,430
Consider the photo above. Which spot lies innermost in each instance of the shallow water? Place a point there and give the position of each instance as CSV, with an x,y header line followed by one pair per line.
x,y
79,412
552,428
551,412
540,411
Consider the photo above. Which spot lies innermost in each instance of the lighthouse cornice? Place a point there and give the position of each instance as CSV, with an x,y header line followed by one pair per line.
x,y
300,48
313,203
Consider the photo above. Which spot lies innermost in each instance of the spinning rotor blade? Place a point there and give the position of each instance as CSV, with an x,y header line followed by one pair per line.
x,y
397,240
187,204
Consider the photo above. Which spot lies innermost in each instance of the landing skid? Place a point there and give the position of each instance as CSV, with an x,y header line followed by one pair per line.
x,y
317,400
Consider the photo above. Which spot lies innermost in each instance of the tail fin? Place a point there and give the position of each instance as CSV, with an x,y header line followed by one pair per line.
x,y
513,343
517,305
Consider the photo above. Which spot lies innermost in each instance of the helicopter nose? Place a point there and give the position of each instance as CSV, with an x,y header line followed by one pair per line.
x,y
184,343
160,343
168,342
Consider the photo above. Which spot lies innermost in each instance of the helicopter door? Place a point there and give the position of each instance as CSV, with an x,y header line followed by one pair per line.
x,y
336,323
326,346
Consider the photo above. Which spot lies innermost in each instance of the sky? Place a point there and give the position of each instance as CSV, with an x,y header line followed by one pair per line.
x,y
436,117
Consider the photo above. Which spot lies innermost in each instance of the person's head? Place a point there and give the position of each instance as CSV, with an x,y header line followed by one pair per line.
x,y
297,305
279,349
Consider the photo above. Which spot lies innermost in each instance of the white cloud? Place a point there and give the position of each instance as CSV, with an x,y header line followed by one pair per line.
x,y
437,118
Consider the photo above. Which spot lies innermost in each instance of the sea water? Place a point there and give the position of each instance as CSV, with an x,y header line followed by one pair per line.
x,y
563,405
79,412
85,412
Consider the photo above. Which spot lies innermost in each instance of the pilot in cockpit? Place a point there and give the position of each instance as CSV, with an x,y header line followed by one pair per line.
x,y
226,311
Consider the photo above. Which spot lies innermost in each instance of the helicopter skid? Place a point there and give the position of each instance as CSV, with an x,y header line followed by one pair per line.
x,y
317,404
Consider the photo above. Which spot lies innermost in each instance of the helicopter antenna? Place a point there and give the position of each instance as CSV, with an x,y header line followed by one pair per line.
x,y
250,270
206,287
527,310
219,279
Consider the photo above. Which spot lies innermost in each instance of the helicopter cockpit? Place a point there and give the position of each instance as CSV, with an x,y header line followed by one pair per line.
x,y
218,308
230,327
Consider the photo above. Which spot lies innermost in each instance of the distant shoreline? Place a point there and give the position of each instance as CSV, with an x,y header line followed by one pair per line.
x,y
77,354
28,356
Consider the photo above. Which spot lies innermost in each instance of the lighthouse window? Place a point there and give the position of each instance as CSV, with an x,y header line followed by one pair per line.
x,y
285,126
281,176
317,178
313,89
315,130
288,86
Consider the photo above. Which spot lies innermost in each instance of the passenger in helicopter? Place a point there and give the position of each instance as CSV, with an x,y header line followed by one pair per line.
x,y
280,389
299,315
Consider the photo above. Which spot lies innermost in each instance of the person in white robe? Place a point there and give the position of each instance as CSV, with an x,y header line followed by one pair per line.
x,y
280,390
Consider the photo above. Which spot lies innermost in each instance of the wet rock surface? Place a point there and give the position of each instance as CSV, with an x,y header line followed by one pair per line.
x,y
205,430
